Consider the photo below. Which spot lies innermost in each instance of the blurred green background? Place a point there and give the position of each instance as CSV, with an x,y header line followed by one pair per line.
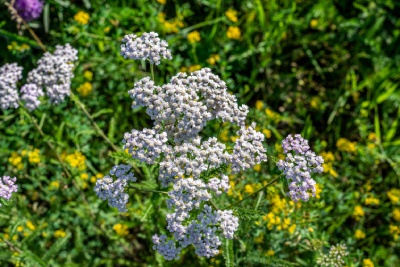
x,y
329,70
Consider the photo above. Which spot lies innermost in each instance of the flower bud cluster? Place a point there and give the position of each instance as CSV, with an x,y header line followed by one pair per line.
x,y
55,72
114,191
335,256
298,166
10,74
147,46
7,187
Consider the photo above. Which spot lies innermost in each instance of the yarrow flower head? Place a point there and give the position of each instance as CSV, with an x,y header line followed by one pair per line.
x,y
30,95
335,257
148,46
298,166
29,9
193,165
10,74
55,72
114,191
7,187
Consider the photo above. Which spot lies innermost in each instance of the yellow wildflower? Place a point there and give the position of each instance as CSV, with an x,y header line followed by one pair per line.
x,y
233,33
33,156
233,138
162,2
161,17
315,102
231,14
257,167
272,115
30,225
368,263
24,152
318,191
15,159
313,23
194,68
270,252
85,89
292,228
358,212
213,59
76,160
82,17
327,156
88,75
193,37
345,145
249,189
372,137
395,231
84,176
54,185
60,233
359,234
20,228
259,104
106,29
371,201
121,229
14,46
394,195
310,229
396,215
93,179
267,133
259,239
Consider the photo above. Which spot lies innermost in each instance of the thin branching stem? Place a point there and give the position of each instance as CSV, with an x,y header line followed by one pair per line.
x,y
252,194
49,144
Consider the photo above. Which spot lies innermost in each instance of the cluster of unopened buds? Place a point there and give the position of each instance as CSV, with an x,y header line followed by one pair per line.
x,y
180,110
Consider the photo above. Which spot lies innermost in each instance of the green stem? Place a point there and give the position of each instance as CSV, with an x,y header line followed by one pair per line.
x,y
146,189
213,204
252,194
152,71
220,127
95,125
50,145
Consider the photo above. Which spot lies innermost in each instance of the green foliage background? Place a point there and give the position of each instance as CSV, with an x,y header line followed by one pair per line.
x,y
325,69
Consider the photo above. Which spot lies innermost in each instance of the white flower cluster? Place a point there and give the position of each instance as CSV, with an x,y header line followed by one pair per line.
x,y
55,72
182,107
30,95
335,257
180,110
148,46
114,191
248,150
10,74
299,166
7,187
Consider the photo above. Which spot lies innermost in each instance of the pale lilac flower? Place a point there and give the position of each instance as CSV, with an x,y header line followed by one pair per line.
x,y
298,166
30,95
7,187
10,74
148,46
335,257
114,191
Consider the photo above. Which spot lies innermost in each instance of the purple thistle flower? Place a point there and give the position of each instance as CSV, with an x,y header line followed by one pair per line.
x,y
7,187
29,9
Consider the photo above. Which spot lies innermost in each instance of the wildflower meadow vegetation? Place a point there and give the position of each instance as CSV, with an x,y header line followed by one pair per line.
x,y
199,133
